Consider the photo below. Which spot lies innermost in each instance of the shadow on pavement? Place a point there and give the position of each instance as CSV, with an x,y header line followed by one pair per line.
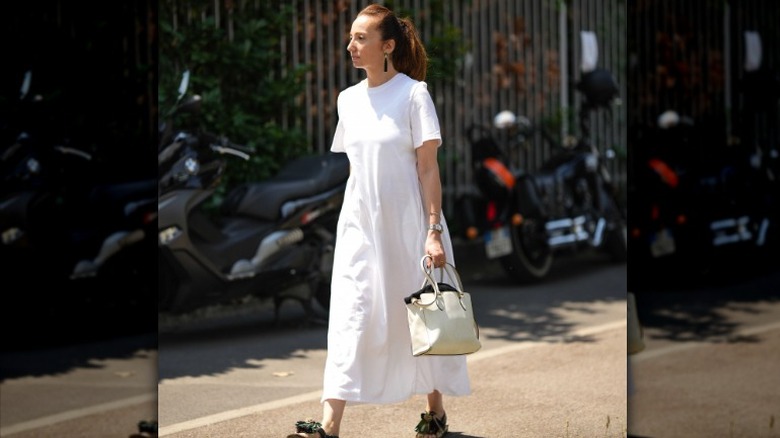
x,y
51,328
707,313
60,360
757,269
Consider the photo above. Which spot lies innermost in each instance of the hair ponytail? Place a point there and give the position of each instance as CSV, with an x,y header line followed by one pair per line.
x,y
409,56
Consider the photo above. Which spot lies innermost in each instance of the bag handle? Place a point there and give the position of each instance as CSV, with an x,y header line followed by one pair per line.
x,y
448,267
453,273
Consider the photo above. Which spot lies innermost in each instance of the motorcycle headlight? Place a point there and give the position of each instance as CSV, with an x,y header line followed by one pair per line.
x,y
192,165
33,166
168,235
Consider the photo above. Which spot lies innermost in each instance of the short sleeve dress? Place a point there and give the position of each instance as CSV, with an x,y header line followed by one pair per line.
x,y
380,240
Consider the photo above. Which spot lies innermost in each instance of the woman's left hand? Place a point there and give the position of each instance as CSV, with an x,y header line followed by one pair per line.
x,y
435,249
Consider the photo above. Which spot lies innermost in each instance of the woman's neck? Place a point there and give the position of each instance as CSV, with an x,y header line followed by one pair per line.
x,y
380,77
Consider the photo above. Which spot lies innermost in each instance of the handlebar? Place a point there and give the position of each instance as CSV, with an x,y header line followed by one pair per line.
x,y
236,150
182,164
219,144
73,151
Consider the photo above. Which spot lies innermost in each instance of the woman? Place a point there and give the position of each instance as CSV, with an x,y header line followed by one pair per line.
x,y
390,218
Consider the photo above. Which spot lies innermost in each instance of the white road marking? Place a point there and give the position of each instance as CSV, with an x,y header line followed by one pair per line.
x,y
76,413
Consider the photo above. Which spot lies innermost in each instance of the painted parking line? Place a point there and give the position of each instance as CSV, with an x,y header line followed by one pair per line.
x,y
315,395
77,413
688,345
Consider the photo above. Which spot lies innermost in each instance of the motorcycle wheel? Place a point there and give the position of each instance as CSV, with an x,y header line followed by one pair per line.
x,y
531,257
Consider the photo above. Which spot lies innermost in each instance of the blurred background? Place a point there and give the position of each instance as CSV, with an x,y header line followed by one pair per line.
x,y
78,121
78,105
704,93
703,133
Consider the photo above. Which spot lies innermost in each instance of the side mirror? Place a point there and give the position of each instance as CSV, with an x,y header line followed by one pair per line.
x,y
185,82
599,87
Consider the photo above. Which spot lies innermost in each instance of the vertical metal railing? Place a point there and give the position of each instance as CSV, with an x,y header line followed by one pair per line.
x,y
690,56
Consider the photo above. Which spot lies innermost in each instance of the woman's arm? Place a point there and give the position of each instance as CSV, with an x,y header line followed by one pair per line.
x,y
430,180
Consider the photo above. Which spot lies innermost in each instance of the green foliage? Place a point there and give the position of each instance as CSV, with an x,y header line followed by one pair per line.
x,y
245,97
445,50
446,46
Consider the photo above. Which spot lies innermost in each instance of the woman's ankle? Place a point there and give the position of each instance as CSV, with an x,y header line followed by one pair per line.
x,y
330,428
438,412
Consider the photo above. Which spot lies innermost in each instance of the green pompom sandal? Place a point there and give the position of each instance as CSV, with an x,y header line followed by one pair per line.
x,y
430,425
310,426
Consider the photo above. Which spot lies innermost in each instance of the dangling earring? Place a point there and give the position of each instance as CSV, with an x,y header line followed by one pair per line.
x,y
385,62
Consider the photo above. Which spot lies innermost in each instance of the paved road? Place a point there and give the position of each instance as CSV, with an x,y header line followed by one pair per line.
x,y
710,367
95,389
238,375
552,364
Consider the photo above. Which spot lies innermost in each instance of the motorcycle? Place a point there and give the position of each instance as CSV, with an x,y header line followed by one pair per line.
x,y
65,226
694,205
266,239
660,212
567,205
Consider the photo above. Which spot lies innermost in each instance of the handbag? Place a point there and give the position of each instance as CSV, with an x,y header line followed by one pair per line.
x,y
636,341
440,315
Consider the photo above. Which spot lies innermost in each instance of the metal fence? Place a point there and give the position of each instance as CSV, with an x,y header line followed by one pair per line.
x,y
521,55
691,56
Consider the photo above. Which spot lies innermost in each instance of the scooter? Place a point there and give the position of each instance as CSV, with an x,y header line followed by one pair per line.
x,y
268,239
57,217
567,205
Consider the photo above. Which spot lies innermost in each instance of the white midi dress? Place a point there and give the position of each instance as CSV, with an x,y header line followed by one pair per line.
x,y
380,240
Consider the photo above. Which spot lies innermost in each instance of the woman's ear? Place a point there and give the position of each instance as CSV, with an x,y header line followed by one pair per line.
x,y
388,46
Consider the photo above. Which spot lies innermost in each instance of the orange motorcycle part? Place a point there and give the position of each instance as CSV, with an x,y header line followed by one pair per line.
x,y
667,174
500,171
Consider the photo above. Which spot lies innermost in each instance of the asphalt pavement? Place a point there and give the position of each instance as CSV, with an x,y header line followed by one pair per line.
x,y
541,389
553,364
710,366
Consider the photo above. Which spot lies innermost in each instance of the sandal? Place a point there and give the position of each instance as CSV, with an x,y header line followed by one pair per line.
x,y
310,426
430,425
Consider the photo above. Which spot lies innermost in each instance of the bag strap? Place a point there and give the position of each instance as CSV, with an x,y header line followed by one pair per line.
x,y
448,267
453,273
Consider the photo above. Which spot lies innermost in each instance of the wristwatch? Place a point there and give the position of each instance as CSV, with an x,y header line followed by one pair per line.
x,y
435,227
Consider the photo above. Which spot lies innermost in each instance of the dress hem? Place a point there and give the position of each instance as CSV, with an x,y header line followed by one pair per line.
x,y
356,401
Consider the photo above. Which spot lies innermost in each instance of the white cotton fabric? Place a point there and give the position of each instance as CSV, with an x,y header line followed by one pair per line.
x,y
380,240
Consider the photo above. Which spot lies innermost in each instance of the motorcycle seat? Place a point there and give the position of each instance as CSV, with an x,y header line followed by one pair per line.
x,y
125,191
303,177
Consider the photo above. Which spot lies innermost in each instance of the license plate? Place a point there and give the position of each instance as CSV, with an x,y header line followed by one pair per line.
x,y
662,243
498,243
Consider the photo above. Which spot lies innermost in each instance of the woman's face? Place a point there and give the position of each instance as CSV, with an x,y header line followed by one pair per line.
x,y
365,44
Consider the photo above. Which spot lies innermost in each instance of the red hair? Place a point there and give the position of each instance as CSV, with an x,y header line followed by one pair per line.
x,y
409,56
